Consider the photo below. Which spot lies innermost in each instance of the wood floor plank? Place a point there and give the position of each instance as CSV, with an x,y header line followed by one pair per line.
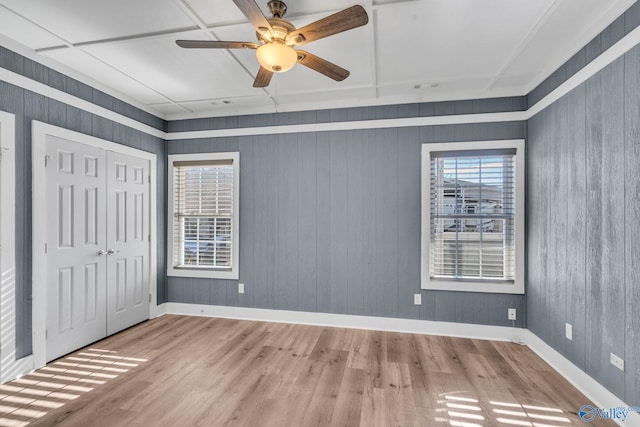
x,y
348,409
196,371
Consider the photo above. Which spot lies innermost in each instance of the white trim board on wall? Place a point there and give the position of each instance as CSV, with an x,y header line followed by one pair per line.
x,y
40,132
597,393
10,368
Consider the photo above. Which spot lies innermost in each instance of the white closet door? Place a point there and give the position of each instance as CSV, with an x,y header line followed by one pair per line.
x,y
76,235
127,241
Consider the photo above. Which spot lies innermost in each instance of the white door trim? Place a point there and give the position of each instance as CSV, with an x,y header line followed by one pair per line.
x,y
40,131
10,368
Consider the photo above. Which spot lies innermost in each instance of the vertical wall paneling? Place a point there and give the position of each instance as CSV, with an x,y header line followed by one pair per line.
x,y
369,220
409,207
595,277
574,158
556,236
258,210
247,225
632,226
386,228
338,232
307,222
287,230
608,243
537,221
355,222
323,237
272,212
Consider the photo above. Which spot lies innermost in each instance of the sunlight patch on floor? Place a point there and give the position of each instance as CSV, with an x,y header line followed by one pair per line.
x,y
33,396
462,409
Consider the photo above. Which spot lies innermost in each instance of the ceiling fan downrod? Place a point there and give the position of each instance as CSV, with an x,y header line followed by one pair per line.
x,y
277,8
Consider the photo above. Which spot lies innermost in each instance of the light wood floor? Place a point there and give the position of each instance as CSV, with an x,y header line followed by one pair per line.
x,y
188,371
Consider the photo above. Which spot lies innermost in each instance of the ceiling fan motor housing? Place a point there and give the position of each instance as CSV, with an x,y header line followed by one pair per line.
x,y
281,28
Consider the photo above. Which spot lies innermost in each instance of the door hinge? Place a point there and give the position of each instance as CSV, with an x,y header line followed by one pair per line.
x,y
149,237
149,297
45,248
46,334
149,179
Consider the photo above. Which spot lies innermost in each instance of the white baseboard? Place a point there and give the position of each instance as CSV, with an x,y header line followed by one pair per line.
x,y
451,329
16,368
597,393
593,390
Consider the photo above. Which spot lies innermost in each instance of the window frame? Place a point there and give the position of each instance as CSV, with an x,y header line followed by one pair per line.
x,y
483,285
203,272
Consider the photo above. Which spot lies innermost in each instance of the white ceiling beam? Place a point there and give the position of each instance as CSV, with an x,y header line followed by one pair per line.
x,y
119,39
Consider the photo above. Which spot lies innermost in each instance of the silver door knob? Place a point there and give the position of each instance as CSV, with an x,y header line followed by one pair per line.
x,y
102,252
113,251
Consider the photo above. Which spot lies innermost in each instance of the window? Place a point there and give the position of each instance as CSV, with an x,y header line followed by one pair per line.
x,y
473,216
203,215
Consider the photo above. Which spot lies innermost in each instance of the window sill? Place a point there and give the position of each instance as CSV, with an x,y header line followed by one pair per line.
x,y
203,273
473,286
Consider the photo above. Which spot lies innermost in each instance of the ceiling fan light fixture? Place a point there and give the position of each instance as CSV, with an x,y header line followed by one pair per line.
x,y
276,56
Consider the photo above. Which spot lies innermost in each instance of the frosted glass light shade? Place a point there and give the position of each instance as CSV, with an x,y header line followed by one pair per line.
x,y
276,57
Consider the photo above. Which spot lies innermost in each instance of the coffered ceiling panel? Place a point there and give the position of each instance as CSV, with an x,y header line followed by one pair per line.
x,y
79,21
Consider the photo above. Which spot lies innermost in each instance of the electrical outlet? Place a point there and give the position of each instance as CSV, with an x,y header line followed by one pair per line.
x,y
241,288
568,331
511,314
617,362
417,299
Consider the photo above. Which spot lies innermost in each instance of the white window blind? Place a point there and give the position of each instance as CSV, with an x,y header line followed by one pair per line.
x,y
203,214
472,215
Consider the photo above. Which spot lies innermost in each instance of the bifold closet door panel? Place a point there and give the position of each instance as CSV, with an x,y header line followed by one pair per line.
x,y
76,237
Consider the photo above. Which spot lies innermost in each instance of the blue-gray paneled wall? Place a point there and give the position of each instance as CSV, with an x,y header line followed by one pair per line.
x,y
330,221
583,231
28,106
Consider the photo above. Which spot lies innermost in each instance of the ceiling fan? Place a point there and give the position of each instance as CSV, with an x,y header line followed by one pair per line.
x,y
277,36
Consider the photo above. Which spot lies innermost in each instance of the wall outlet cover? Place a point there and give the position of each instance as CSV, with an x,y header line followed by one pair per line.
x,y
417,299
511,314
617,362
568,331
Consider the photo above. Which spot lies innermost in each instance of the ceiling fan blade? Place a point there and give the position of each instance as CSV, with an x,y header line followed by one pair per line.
x,y
209,44
253,13
353,17
322,66
263,78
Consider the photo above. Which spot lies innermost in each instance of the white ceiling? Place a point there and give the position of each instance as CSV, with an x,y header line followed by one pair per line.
x,y
410,51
